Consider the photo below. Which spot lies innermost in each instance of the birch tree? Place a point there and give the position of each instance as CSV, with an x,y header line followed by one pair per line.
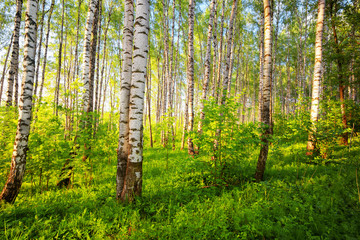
x,y
133,179
190,76
18,160
265,111
87,52
228,53
14,59
261,62
207,62
123,148
311,145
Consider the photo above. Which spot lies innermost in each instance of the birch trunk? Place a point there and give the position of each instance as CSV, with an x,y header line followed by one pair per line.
x,y
14,59
265,113
133,178
228,54
103,60
288,83
4,69
46,50
58,77
39,50
190,75
123,148
87,52
98,66
207,63
92,65
218,74
261,53
311,145
18,160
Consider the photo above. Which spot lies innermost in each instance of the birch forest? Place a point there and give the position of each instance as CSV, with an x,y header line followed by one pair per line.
x,y
179,119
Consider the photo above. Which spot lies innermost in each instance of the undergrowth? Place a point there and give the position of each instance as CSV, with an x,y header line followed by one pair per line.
x,y
299,200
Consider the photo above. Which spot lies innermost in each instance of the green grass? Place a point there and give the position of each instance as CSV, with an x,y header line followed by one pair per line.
x,y
298,200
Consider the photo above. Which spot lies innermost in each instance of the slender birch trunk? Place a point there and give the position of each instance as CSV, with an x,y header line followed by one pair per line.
x,y
87,52
133,179
123,147
311,145
207,63
58,76
215,51
228,53
288,83
265,114
190,75
218,74
4,69
98,66
148,99
46,50
261,57
92,65
39,50
14,59
103,60
18,160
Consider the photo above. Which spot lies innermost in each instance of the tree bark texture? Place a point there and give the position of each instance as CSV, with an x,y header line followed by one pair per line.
x,y
261,57
46,50
207,63
18,160
133,179
311,145
228,53
14,58
87,53
39,50
123,147
4,69
190,75
265,114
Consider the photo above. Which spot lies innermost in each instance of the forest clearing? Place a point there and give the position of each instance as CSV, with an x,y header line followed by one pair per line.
x,y
179,119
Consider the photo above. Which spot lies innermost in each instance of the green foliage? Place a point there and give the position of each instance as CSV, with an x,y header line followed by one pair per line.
x,y
224,142
298,201
8,123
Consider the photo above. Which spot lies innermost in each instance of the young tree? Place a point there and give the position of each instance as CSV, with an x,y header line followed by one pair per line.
x,y
18,160
265,111
311,145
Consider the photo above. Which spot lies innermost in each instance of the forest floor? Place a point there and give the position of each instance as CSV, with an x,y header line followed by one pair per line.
x,y
298,200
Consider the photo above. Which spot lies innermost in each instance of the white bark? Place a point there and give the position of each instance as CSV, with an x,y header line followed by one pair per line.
x,y
190,75
207,62
14,59
87,53
133,179
228,53
18,160
265,113
123,148
317,74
